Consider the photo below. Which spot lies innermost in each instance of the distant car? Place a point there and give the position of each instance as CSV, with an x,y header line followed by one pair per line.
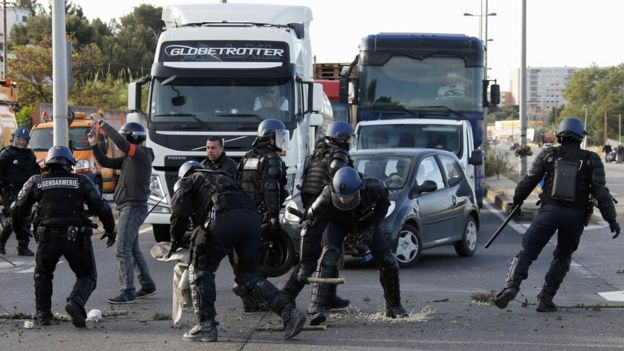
x,y
432,203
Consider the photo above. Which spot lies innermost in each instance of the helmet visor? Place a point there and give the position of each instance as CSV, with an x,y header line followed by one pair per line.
x,y
282,139
346,202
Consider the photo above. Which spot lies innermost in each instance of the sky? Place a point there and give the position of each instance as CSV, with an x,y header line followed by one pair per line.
x,y
559,32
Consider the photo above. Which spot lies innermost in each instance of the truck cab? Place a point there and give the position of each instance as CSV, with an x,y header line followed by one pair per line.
x,y
8,107
220,70
455,136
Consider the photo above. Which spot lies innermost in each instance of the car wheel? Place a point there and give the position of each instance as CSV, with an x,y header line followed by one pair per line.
x,y
161,232
409,246
467,246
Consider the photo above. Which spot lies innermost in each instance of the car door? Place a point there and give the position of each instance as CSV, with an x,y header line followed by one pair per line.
x,y
433,207
454,177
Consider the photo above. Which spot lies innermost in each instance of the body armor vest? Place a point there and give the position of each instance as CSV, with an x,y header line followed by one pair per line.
x,y
318,172
60,200
581,192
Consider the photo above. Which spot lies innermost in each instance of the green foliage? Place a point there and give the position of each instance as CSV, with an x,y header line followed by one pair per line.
x,y
23,116
600,91
106,92
504,113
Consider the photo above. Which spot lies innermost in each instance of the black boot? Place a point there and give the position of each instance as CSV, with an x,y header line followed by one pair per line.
x,y
250,305
202,332
512,286
545,303
24,251
44,317
77,313
334,301
389,279
203,295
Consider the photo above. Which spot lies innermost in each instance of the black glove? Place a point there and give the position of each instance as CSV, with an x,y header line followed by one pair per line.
x,y
111,238
175,245
615,228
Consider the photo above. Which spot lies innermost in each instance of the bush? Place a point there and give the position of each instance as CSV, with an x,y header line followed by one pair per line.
x,y
23,116
497,163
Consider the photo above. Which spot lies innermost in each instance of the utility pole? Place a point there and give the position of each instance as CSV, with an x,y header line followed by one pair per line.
x,y
5,69
59,74
523,91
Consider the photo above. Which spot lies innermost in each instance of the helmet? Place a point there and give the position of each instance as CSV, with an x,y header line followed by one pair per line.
x,y
274,128
572,128
339,132
60,155
20,133
134,132
345,188
187,167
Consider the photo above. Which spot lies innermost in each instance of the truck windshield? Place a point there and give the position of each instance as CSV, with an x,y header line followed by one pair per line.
x,y
41,138
221,100
408,83
445,137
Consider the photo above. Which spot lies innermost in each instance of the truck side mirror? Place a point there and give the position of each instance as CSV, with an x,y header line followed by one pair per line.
x,y
134,96
476,158
316,98
343,92
494,94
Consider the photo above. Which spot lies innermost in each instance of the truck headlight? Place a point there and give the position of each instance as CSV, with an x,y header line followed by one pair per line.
x,y
390,209
157,192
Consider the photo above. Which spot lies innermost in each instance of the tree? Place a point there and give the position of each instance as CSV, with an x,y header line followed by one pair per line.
x,y
31,67
32,6
504,113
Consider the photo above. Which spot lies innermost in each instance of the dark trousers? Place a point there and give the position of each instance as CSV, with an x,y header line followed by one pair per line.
x,y
568,223
79,256
239,230
9,194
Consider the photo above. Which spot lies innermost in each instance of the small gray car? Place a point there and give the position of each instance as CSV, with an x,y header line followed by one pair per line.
x,y
432,203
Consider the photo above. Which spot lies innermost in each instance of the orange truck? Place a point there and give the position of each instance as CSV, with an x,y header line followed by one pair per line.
x,y
8,106
79,127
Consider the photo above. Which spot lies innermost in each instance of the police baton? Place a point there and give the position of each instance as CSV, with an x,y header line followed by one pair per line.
x,y
502,226
6,259
153,207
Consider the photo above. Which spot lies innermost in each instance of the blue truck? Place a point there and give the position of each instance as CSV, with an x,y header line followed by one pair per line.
x,y
416,75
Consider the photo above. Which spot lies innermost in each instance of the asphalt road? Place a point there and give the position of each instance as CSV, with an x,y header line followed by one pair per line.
x,y
440,291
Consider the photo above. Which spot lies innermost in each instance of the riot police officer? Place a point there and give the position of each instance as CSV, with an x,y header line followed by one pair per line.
x,y
353,207
63,229
216,159
330,154
262,175
17,164
219,203
572,177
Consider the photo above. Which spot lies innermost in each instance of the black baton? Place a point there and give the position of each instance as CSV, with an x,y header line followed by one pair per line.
x,y
502,226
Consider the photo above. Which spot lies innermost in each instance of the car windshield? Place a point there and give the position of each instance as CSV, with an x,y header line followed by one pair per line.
x,y
41,139
223,100
445,137
409,83
394,171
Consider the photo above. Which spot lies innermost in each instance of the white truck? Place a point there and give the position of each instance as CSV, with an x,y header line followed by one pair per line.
x,y
452,135
219,70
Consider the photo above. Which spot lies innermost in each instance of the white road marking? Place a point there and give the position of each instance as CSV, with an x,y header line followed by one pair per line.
x,y
614,296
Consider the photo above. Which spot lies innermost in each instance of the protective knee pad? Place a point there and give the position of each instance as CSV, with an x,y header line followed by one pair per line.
x,y
262,291
329,257
387,262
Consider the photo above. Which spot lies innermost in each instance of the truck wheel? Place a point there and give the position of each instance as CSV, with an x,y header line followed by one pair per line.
x,y
161,232
467,246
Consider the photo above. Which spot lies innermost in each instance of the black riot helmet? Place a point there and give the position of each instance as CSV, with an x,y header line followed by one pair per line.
x,y
134,132
339,132
60,156
274,128
345,189
188,167
571,129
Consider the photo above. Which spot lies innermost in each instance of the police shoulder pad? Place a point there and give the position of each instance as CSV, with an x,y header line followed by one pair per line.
x,y
185,184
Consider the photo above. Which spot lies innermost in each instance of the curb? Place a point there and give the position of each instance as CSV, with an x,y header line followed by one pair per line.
x,y
503,201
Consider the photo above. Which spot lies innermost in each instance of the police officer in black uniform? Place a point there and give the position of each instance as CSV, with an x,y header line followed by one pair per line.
x,y
17,164
219,204
330,154
353,206
262,175
573,177
63,229
216,159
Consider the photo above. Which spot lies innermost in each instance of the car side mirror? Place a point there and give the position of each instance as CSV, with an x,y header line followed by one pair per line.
x,y
476,158
428,186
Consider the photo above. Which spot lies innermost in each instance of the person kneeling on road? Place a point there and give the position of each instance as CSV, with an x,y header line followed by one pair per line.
x,y
62,228
219,203
573,177
349,203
